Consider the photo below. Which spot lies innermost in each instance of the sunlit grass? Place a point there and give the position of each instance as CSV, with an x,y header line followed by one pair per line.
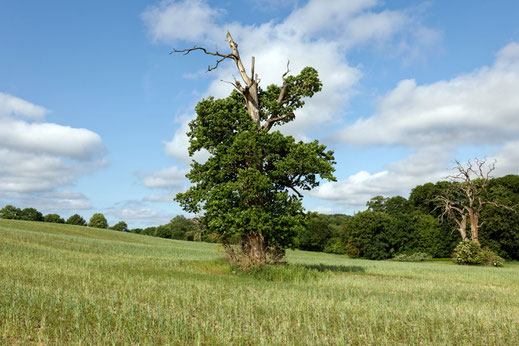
x,y
70,284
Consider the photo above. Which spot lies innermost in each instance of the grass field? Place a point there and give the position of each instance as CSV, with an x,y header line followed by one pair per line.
x,y
69,284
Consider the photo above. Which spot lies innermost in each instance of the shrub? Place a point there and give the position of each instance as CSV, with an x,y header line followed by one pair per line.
x,y
415,257
468,252
490,258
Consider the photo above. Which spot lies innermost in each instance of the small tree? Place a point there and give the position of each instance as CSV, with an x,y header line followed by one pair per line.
x,y
121,226
98,220
55,218
250,186
76,219
10,212
31,214
465,197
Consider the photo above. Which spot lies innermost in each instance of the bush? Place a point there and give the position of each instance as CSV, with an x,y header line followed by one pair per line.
x,y
415,257
490,258
468,252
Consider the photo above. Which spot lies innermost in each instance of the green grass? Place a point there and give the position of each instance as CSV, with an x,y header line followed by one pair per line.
x,y
63,284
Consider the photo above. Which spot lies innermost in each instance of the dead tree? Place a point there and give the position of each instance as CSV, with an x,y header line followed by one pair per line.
x,y
467,195
249,89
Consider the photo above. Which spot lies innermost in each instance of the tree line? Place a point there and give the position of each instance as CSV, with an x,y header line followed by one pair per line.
x,y
390,226
179,227
395,225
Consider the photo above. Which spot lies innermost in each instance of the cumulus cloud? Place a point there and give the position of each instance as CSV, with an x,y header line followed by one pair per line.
x,y
314,34
477,108
397,179
39,159
179,144
181,20
14,106
166,178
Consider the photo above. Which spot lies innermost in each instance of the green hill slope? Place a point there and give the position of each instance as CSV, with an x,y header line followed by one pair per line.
x,y
73,284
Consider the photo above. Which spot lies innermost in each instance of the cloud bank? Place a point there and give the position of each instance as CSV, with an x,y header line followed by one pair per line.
x,y
41,159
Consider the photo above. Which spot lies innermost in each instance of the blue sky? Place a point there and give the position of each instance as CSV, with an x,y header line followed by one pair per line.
x,y
93,109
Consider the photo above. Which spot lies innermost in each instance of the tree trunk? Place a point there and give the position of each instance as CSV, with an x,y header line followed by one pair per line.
x,y
253,247
474,227
463,227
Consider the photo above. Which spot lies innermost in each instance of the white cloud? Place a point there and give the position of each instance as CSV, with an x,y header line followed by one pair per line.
x,y
397,179
14,106
179,144
317,34
39,159
477,108
166,178
49,139
181,20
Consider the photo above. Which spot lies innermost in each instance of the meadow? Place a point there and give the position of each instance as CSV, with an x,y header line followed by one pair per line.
x,y
71,284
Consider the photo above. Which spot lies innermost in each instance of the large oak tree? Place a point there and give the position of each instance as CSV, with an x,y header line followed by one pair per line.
x,y
250,188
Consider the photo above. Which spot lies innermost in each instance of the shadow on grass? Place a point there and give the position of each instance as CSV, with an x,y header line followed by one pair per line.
x,y
333,268
278,273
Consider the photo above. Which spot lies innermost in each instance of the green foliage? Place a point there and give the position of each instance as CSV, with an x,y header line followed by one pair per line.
x,y
366,235
390,205
53,218
414,257
121,226
314,233
468,252
245,187
10,212
98,220
490,258
31,214
76,219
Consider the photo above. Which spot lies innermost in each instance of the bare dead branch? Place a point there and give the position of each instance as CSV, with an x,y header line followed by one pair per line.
x,y
216,53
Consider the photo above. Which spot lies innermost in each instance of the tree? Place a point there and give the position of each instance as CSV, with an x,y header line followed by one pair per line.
x,y
463,202
121,226
53,218
31,214
10,212
250,187
76,219
98,220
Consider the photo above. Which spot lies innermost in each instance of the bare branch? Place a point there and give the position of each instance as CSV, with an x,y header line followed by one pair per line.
x,y
216,53
297,192
281,97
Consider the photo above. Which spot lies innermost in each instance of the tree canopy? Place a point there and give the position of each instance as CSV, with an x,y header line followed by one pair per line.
x,y
98,220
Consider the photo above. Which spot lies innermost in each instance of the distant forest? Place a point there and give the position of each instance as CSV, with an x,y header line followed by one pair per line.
x,y
390,226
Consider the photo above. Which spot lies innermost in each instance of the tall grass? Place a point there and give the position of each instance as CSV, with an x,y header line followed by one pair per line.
x,y
71,284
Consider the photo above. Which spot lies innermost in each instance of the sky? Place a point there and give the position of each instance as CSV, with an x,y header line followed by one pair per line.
x,y
94,109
